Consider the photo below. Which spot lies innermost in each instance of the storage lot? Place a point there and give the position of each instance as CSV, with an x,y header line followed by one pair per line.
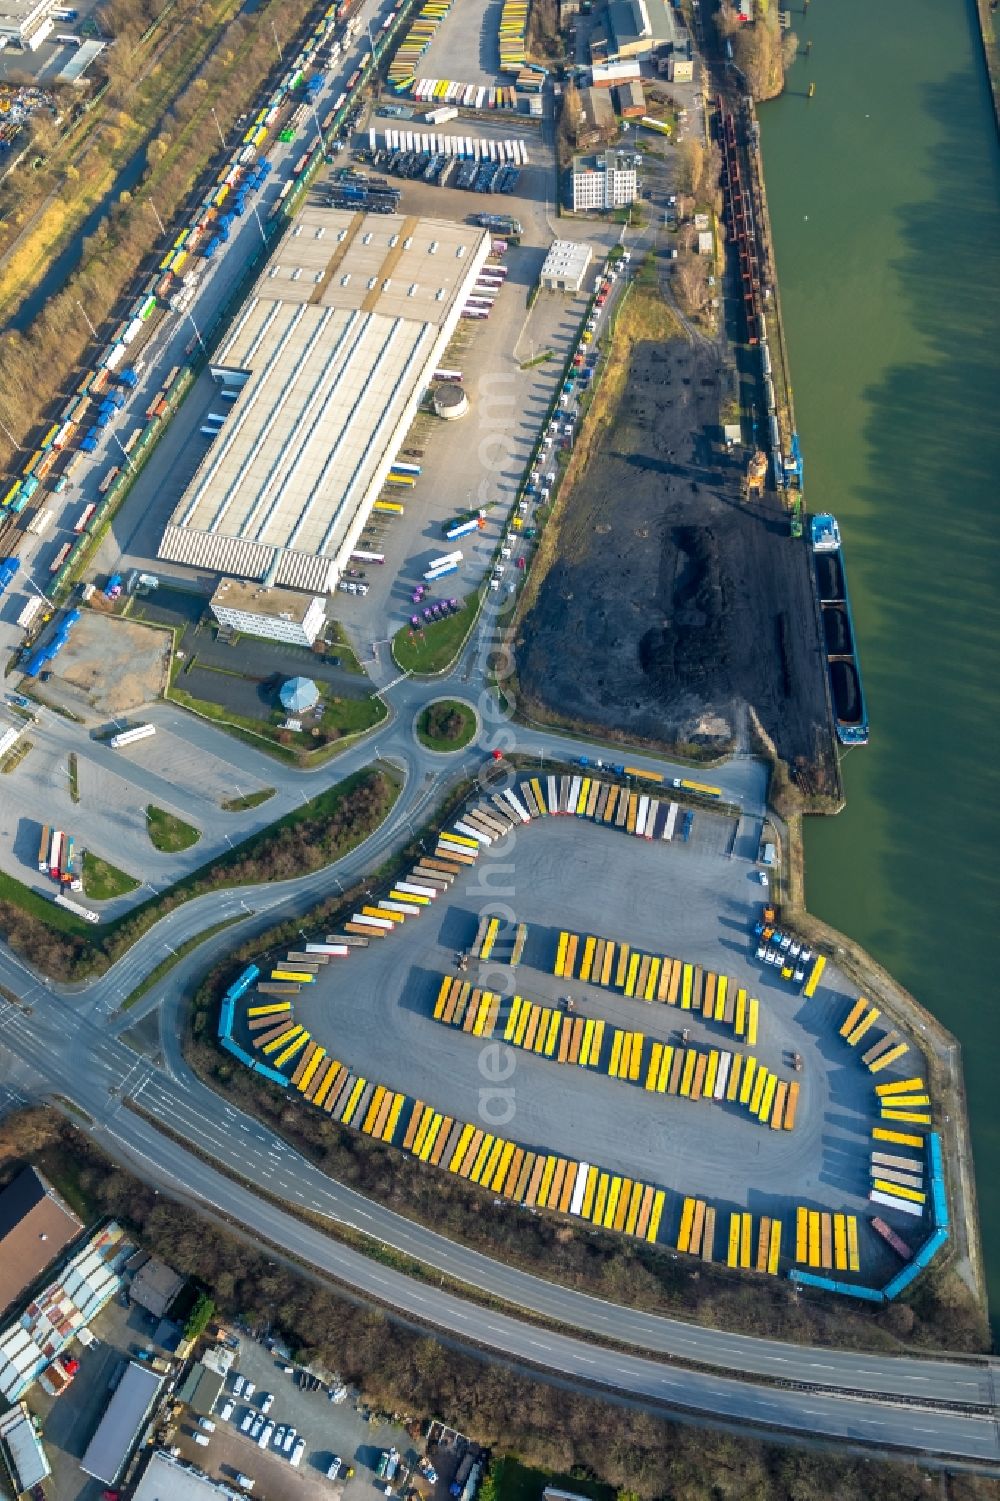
x,y
329,1429
466,48
690,901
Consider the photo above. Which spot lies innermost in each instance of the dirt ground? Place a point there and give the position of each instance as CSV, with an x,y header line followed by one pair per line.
x,y
109,666
671,604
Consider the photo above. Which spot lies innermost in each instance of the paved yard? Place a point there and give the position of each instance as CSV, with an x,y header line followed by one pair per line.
x,y
689,901
329,1429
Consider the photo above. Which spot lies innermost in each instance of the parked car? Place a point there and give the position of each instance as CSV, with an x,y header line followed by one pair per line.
x,y
238,1386
265,1437
226,1411
266,1401
297,1452
289,1443
279,1436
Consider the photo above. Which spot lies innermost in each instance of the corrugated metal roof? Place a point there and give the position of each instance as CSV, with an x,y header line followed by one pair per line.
x,y
340,338
121,1426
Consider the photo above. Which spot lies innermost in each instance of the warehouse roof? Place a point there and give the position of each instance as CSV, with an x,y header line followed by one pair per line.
x,y
121,1427
35,1225
25,1454
330,352
167,1479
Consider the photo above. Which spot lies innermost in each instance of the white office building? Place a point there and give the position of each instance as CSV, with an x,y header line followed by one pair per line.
x,y
603,182
275,614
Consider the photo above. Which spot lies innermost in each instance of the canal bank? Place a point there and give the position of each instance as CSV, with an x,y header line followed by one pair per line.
x,y
883,193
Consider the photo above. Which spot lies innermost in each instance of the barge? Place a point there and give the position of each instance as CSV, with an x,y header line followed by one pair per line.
x,y
839,643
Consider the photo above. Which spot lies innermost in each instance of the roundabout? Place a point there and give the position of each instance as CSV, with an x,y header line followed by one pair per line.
x,y
446,725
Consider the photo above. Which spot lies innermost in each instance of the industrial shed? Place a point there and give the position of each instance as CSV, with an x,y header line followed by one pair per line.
x,y
123,1424
328,360
35,1225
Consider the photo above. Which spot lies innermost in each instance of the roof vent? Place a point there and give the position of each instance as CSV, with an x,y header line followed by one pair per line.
x,y
321,232
408,242
366,239
345,278
460,251
371,283
387,284
432,248
393,241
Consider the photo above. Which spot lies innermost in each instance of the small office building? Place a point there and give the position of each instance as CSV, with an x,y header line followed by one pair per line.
x,y
606,181
565,266
276,614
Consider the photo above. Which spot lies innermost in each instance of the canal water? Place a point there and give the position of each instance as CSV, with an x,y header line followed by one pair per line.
x,y
65,263
885,198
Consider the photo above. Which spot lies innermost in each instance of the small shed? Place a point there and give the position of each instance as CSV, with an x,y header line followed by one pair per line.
x,y
631,100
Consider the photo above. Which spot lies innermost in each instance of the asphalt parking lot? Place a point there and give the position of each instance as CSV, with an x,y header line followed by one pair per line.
x,y
329,1429
466,48
690,901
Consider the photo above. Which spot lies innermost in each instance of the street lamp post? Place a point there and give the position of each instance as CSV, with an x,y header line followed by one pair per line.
x,y
218,126
86,315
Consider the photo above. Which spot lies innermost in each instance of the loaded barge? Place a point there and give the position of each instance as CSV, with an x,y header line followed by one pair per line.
x,y
849,708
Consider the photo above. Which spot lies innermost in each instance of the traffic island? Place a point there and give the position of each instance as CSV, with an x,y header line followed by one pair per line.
x,y
447,725
429,648
168,833
102,882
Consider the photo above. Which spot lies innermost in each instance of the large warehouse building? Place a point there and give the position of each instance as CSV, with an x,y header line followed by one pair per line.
x,y
328,360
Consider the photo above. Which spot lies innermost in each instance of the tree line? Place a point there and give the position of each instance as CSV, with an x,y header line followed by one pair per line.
x,y
37,364
413,1376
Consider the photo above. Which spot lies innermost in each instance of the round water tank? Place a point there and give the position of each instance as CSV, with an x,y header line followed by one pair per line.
x,y
450,401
